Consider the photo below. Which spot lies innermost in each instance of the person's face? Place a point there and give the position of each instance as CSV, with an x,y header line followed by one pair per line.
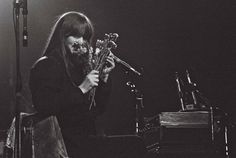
x,y
80,55
76,45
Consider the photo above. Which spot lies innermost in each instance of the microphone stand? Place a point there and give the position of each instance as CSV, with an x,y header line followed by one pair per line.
x,y
17,4
17,147
137,94
138,105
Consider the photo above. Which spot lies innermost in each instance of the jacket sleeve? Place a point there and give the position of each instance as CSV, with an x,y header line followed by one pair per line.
x,y
102,96
50,95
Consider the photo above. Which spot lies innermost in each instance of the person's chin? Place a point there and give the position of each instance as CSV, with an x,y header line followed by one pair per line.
x,y
80,59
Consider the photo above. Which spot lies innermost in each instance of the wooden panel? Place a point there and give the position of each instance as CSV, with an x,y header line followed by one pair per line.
x,y
197,119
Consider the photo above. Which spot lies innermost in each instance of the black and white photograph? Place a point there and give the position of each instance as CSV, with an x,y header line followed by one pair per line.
x,y
117,79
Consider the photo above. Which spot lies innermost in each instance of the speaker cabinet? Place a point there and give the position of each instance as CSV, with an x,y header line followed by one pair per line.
x,y
187,134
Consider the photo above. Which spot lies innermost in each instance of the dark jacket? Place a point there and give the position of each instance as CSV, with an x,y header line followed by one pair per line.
x,y
53,93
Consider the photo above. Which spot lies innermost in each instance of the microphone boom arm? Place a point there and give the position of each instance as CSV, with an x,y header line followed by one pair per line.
x,y
118,60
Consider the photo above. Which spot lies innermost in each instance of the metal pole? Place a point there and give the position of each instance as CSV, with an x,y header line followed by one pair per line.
x,y
17,146
226,142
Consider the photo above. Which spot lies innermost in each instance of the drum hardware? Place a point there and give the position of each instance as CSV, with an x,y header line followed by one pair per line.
x,y
191,99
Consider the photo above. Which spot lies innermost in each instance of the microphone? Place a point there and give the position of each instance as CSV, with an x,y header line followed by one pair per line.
x,y
118,60
25,29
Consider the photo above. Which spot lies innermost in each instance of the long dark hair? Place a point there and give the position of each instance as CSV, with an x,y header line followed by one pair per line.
x,y
70,23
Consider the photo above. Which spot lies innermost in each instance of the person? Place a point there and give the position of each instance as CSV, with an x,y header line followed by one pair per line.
x,y
61,82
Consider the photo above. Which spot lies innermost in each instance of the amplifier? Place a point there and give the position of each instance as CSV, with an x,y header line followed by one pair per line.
x,y
185,127
185,133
